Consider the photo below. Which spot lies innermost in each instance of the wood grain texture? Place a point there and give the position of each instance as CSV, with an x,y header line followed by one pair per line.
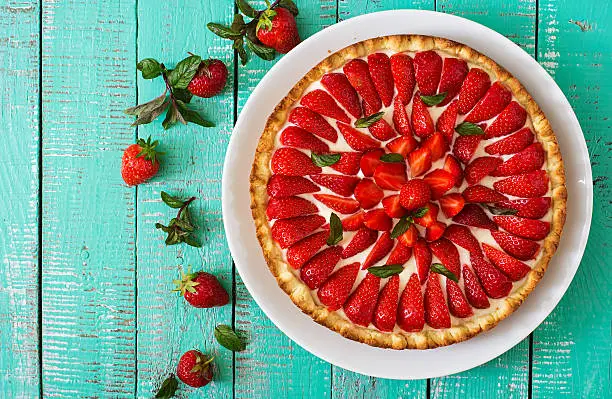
x,y
167,325
88,213
19,113
571,349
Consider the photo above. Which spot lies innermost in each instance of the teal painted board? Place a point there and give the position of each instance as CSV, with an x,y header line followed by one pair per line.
x,y
19,112
167,325
88,313
571,349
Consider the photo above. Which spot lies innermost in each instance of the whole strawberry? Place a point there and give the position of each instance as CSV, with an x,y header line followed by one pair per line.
x,y
209,80
277,28
139,162
194,369
202,290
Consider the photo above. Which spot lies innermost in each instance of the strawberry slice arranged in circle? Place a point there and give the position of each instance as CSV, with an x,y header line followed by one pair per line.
x,y
369,162
381,128
410,237
353,222
280,186
454,72
377,219
300,252
390,176
316,270
457,303
339,184
528,160
419,161
411,311
392,207
357,140
289,231
473,215
532,208
402,145
342,205
465,147
382,77
322,103
439,181
360,242
414,194
494,282
340,88
474,292
297,137
523,227
436,310
451,204
336,289
452,166
422,124
288,207
359,307
520,248
493,102
311,121
512,144
379,250
400,118
447,121
437,145
348,163
291,162
428,69
448,255
511,119
422,258
368,194
358,73
484,194
462,236
399,255
511,267
528,185
402,69
480,167
385,312
430,217
434,231
474,87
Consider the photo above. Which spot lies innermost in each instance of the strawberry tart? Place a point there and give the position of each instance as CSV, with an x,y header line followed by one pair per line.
x,y
408,192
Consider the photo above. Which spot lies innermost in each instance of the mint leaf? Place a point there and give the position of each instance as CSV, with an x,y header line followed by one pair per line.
x,y
185,70
392,158
246,8
289,5
227,338
150,68
501,211
171,201
386,270
434,100
322,160
172,116
469,129
239,47
419,213
369,120
263,52
168,388
223,31
401,227
192,116
148,116
238,23
335,230
146,107
182,94
441,269
191,242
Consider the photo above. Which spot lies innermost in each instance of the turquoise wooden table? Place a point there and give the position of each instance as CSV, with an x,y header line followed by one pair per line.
x,y
85,307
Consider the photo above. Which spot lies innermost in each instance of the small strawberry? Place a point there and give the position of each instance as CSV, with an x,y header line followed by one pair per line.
x,y
312,122
390,176
399,255
530,159
451,204
353,222
392,206
473,290
447,252
437,145
139,162
410,237
435,231
319,267
512,144
348,163
475,85
380,71
297,137
465,147
402,145
436,310
419,161
454,72
368,193
360,242
385,312
194,369
380,129
410,311
414,194
428,68
342,205
480,193
422,124
528,185
359,307
447,120
340,88
379,250
336,289
520,248
277,29
494,282
291,162
473,215
422,258
369,161
289,231
532,208
378,220
288,207
462,236
493,102
480,167
400,118
209,80
357,140
201,290
321,102
513,268
339,184
457,304
523,227
430,217
280,186
452,166
402,69
357,72
511,119
300,252
439,181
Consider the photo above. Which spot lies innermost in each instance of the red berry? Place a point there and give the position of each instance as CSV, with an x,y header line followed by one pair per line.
x,y
480,167
419,161
462,236
348,163
411,312
511,144
360,242
337,287
289,231
285,186
386,308
513,268
422,124
428,66
300,252
402,145
414,194
520,248
339,184
378,220
319,267
422,258
400,118
493,102
494,282
447,120
451,204
473,215
480,193
291,162
288,207
340,88
357,140
392,206
194,369
353,222
297,137
311,121
358,73
511,119
359,307
202,290
448,255
457,303
139,162
379,250
321,102
473,290
475,85
528,185
209,80
402,69
454,72
342,205
523,227
436,310
390,176
380,71
277,29
368,193
530,159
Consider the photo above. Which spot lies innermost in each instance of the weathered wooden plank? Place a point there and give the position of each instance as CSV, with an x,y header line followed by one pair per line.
x,y
167,325
571,349
88,213
273,365
19,94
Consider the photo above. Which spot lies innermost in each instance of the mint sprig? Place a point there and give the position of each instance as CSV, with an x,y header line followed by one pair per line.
x,y
168,388
228,338
180,228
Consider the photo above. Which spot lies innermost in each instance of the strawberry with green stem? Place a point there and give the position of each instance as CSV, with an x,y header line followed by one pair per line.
x,y
180,229
139,162
201,289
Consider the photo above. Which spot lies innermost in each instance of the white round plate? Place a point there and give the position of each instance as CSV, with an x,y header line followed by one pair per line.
x,y
355,356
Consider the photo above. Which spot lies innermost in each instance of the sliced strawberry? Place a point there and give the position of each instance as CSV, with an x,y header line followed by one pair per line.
x,y
448,255
528,160
410,311
337,287
494,282
300,252
399,255
415,194
340,88
359,307
379,250
285,186
475,85
511,144
368,193
339,184
360,242
380,71
523,227
473,215
430,217
435,231
422,258
357,140
409,238
400,118
465,147
447,120
348,163
289,231
457,304
520,248
437,144
314,123
529,185
291,162
532,208
436,310
353,222
297,137
381,128
493,102
321,102
454,72
439,181
480,167
402,145
419,161
377,219
288,207
392,206
319,267
422,124
513,268
369,162
473,290
342,205
480,193
402,69
511,119
452,165
451,204
462,236
357,72
428,68
390,176
386,308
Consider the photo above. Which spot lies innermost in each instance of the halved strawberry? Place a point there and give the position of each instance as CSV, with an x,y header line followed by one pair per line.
x,y
451,204
414,194
523,227
368,193
380,71
379,250
369,162
447,120
493,102
480,193
419,161
428,68
511,144
454,72
462,236
348,163
340,88
480,167
399,255
285,186
529,185
359,307
436,310
360,242
448,255
422,258
386,308
377,219
381,128
457,304
392,206
300,252
452,165
289,231
532,208
357,140
402,69
291,162
473,290
475,85
342,205
390,176
339,184
494,282
473,215
337,287
437,144
520,248
353,222
511,119
288,207
402,145
435,231
465,147
513,268
400,118
410,311
422,124
321,102
430,217
319,267
313,122
357,72
530,159
439,181
409,238
297,137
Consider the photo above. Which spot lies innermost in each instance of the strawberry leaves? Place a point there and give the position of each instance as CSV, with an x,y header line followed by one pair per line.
x,y
228,338
150,68
180,229
168,388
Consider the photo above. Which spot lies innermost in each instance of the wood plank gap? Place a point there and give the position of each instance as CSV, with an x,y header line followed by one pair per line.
x,y
40,203
136,132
